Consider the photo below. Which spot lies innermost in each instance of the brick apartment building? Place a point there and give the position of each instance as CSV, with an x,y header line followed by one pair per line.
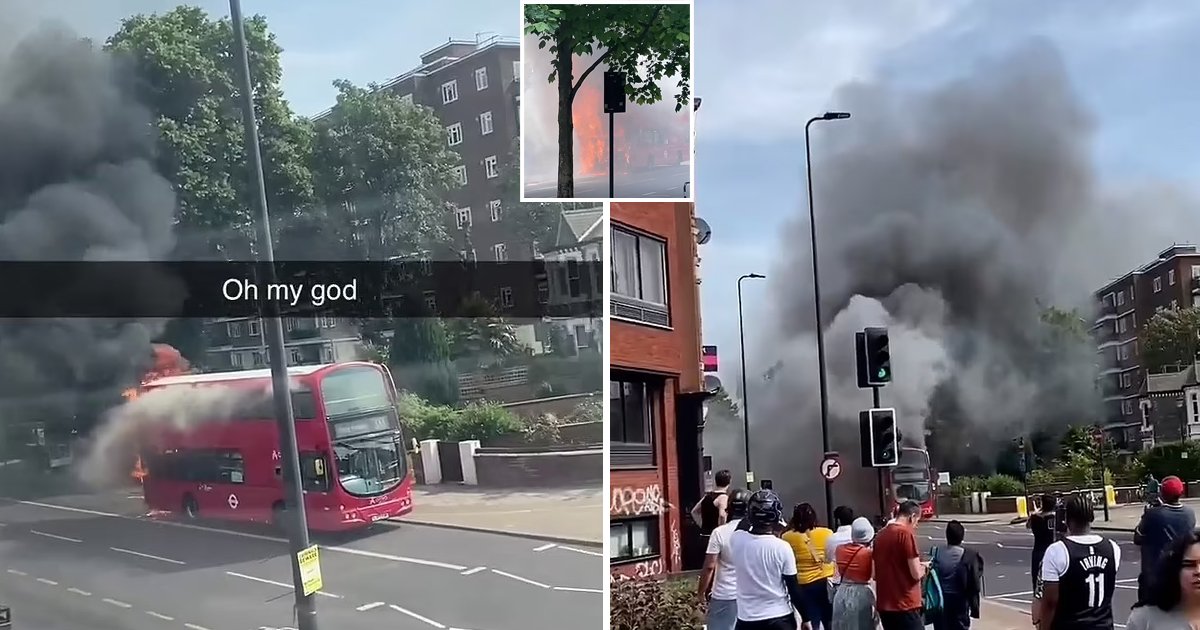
x,y
1170,281
656,397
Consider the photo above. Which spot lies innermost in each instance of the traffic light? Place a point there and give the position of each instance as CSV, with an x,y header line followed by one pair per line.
x,y
878,357
880,438
614,92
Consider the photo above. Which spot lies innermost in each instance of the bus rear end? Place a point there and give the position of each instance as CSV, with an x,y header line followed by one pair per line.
x,y
366,478
912,479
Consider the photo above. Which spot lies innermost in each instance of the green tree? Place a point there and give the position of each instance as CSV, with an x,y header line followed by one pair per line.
x,y
383,173
419,355
481,336
1171,339
536,222
647,42
184,62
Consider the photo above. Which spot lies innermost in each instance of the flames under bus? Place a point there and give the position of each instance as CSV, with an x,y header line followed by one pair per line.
x,y
912,479
352,456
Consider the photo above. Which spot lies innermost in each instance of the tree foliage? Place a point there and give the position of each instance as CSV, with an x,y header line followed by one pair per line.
x,y
481,336
1171,339
536,222
647,42
382,173
419,355
184,63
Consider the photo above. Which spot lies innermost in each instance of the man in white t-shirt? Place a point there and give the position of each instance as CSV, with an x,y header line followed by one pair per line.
x,y
718,578
767,591
843,517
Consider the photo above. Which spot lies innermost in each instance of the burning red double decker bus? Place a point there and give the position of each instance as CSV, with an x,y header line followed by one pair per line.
x,y
353,463
912,479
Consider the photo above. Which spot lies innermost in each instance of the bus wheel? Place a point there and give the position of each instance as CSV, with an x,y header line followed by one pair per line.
x,y
190,508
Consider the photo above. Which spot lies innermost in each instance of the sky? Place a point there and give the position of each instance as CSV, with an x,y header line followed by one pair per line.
x,y
762,73
360,40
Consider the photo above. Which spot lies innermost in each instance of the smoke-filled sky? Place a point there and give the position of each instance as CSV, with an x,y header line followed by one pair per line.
x,y
1000,155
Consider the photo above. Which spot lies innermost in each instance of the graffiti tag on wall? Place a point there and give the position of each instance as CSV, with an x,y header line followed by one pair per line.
x,y
676,546
649,568
637,500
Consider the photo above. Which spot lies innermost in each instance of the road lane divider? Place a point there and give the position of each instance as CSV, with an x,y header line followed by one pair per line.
x,y
116,602
519,578
473,571
275,583
55,536
572,589
16,572
146,555
79,592
545,547
158,615
422,618
371,606
45,581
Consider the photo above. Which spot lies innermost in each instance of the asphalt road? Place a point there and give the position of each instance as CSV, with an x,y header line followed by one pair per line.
x,y
65,565
1007,550
664,182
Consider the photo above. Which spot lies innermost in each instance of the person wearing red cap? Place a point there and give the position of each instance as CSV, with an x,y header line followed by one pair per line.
x,y
1161,524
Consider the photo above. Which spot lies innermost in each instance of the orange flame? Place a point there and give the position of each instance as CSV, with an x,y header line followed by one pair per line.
x,y
139,471
591,130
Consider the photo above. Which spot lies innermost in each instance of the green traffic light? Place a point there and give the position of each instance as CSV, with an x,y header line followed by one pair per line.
x,y
882,373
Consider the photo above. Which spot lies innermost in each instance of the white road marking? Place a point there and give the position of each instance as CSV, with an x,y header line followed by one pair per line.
x,y
192,626
55,536
45,581
519,578
117,603
79,592
16,572
545,547
583,551
999,577
159,616
578,590
273,582
1012,599
405,611
474,571
1008,595
71,509
146,555
371,606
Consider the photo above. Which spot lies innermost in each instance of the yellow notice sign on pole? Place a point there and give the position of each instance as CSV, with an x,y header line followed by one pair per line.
x,y
310,570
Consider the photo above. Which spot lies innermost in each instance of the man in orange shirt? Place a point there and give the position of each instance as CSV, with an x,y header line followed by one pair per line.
x,y
899,571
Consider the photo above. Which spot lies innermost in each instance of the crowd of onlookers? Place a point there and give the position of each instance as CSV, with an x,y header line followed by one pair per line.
x,y
765,573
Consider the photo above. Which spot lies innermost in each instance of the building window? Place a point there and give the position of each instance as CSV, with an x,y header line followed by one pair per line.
x,y
235,359
407,99
582,338
517,70
254,327
1126,379
489,167
328,322
326,354
460,174
233,329
632,406
1193,407
1195,271
257,357
481,82
289,324
1122,353
1171,277
485,123
633,539
1121,297
494,207
1127,407
449,92
454,135
500,252
543,292
462,217
295,356
506,297
639,278
1158,284
430,301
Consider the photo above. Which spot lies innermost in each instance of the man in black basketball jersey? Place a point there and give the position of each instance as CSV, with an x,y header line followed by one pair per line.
x,y
1078,575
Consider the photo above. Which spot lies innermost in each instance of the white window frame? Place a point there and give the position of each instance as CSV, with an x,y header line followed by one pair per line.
x,y
329,321
289,324
481,79
254,327
1126,379
1157,284
506,297
233,329
462,217
460,174
235,359
454,134
1171,277
500,252
1121,297
1127,407
516,70
326,354
485,124
449,91
629,298
295,356
496,210
490,167
407,99
431,301
1196,271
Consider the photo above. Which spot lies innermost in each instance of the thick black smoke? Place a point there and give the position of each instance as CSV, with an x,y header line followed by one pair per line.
x,y
953,216
77,183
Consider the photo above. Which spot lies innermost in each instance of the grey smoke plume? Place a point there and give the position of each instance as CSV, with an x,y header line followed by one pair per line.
x,y
953,216
77,183
116,443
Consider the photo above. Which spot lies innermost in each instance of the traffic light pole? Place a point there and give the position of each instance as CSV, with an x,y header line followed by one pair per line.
x,y
612,119
883,511
297,527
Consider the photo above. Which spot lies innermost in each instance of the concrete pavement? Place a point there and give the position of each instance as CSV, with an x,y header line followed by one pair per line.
x,y
663,182
66,565
1120,518
572,516
1008,583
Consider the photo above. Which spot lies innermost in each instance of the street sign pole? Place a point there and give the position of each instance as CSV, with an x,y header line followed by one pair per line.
x,y
293,514
614,103
883,511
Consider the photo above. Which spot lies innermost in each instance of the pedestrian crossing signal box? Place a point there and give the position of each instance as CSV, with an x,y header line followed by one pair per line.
x,y
879,437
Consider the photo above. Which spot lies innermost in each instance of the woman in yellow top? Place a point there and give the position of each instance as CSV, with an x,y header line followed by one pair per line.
x,y
813,570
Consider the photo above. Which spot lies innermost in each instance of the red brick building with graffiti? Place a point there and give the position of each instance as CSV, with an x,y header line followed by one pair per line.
x,y
656,395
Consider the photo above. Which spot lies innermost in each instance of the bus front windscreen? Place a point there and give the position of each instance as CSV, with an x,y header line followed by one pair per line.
x,y
370,465
365,430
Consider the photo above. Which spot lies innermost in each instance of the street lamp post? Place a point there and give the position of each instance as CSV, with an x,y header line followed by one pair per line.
x,y
812,229
293,515
745,394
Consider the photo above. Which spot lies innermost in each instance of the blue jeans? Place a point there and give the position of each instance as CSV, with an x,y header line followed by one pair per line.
x,y
722,614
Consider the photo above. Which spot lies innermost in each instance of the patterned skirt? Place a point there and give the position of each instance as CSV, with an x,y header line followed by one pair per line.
x,y
854,607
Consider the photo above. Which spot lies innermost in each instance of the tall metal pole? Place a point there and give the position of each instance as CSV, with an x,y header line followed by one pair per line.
x,y
812,230
611,152
296,525
745,394
883,511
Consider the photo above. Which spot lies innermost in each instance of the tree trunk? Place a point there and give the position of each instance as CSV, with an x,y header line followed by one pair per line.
x,y
566,124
